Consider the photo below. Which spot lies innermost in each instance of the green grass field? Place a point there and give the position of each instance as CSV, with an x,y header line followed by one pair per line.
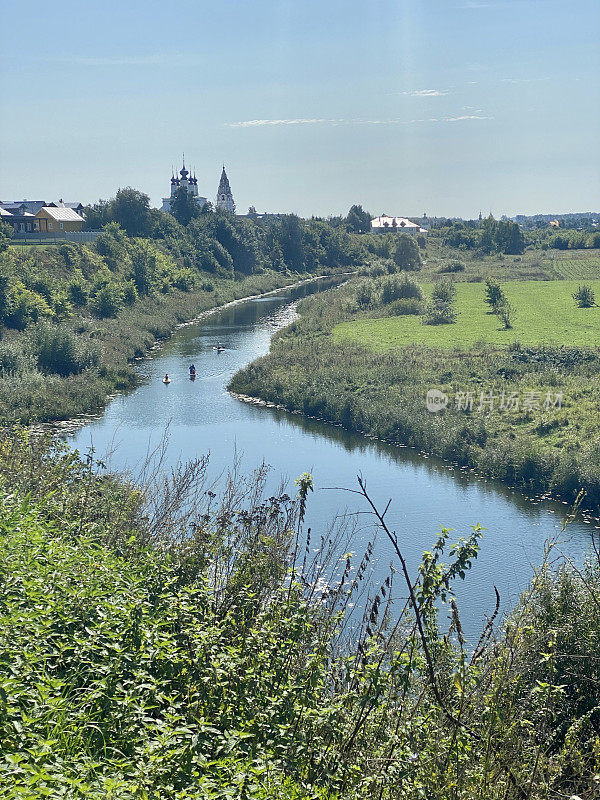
x,y
533,264
545,313
577,267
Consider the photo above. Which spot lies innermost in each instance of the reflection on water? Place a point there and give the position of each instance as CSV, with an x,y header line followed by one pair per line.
x,y
201,417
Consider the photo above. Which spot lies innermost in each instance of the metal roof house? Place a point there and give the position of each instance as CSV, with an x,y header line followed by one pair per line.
x,y
21,220
18,206
51,219
387,224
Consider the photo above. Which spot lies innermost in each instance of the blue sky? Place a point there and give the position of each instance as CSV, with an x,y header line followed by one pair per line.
x,y
444,106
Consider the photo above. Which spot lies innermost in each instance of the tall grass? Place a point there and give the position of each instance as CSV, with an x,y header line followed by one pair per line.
x,y
190,643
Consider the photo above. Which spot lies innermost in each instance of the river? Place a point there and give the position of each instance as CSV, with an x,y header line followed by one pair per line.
x,y
200,417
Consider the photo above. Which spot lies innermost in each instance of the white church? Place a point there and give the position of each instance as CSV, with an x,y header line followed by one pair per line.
x,y
187,181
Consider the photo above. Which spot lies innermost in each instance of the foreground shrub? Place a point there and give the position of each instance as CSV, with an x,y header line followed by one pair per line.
x,y
12,358
25,306
494,295
365,293
149,651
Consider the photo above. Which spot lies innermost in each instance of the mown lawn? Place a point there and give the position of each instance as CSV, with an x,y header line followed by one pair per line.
x,y
577,265
545,313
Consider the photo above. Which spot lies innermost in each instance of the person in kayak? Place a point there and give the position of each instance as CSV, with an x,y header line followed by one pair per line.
x,y
192,369
166,379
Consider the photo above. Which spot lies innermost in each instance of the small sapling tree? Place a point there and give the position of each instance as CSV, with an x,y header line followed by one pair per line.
x,y
494,296
584,296
505,311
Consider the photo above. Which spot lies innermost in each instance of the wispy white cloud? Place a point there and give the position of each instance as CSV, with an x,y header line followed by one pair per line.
x,y
258,123
464,117
427,92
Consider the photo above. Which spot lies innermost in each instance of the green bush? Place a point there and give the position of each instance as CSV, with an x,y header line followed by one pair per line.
x,y
439,312
24,306
494,295
406,253
130,294
77,293
398,287
406,305
12,358
452,266
184,280
108,301
444,291
57,350
365,293
584,296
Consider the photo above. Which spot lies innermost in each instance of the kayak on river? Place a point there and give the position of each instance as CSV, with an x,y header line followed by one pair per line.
x,y
166,379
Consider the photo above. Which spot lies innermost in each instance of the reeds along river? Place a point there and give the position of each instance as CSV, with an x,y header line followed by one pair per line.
x,y
200,417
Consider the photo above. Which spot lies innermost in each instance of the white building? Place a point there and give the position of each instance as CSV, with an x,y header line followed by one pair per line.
x,y
386,224
225,200
185,181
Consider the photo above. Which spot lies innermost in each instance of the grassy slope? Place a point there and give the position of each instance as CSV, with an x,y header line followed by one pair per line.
x,y
545,313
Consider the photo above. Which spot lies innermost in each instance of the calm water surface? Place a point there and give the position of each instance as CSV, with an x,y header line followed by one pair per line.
x,y
201,417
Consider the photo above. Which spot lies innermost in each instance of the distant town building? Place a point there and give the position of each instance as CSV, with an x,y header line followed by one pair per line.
x,y
387,224
554,223
25,217
225,200
21,206
51,219
22,221
184,181
37,216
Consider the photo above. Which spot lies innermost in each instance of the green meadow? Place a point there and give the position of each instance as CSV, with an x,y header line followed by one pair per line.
x,y
544,313
577,266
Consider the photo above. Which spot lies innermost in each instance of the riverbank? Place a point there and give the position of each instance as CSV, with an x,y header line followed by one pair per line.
x,y
544,439
37,396
73,423
201,678
73,318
